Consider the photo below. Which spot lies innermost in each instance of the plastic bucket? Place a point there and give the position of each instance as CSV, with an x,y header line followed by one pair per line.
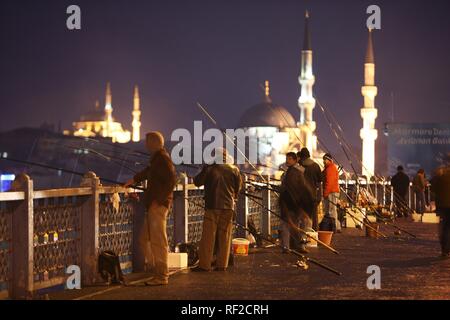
x,y
325,237
370,232
311,242
240,246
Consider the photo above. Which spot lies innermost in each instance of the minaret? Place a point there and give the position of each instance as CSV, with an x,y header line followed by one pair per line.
x,y
108,111
369,113
136,124
306,102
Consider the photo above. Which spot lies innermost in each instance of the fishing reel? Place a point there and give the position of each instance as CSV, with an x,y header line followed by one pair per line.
x,y
301,264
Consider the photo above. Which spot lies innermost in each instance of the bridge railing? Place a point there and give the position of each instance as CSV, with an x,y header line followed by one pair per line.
x,y
42,232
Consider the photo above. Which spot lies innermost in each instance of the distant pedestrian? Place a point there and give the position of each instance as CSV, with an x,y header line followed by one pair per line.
x,y
419,185
313,175
331,190
223,183
296,204
440,185
400,184
161,178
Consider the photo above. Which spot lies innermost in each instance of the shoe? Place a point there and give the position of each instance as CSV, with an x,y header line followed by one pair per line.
x,y
198,269
156,282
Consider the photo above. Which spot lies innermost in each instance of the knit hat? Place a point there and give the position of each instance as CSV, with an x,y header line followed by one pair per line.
x,y
327,156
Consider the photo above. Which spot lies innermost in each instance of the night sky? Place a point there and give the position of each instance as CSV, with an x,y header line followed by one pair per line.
x,y
219,53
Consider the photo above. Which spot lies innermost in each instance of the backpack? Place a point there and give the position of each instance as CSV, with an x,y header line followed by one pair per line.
x,y
327,224
109,267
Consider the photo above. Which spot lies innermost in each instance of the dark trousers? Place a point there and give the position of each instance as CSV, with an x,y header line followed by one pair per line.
x,y
444,230
400,205
420,202
315,216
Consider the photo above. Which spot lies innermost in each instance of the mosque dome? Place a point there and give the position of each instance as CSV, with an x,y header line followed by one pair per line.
x,y
97,115
267,114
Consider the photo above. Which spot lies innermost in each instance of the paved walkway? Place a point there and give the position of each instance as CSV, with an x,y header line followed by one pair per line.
x,y
410,269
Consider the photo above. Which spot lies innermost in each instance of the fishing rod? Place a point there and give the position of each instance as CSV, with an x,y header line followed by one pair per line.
x,y
343,139
355,218
288,250
345,192
203,109
340,139
103,156
298,229
30,163
298,254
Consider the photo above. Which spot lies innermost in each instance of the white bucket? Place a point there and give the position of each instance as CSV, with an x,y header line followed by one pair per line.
x,y
311,243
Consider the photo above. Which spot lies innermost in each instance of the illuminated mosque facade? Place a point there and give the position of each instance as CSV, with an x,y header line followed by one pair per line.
x,y
101,123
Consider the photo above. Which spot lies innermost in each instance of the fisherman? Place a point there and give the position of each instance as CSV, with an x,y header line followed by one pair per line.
x,y
419,185
331,190
313,175
296,204
223,182
440,185
161,178
400,184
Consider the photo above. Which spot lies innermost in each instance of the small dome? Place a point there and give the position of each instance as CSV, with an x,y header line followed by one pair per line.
x,y
267,114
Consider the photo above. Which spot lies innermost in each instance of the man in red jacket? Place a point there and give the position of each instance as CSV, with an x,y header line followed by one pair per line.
x,y
331,189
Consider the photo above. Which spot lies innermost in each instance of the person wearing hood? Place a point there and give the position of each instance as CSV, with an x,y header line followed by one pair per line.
x,y
223,182
296,204
313,175
161,178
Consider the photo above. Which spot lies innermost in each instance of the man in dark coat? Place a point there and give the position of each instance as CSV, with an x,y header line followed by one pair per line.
x,y
296,203
400,184
161,179
223,183
313,175
440,186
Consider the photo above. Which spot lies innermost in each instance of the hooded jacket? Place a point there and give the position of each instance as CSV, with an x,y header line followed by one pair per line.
x,y
161,177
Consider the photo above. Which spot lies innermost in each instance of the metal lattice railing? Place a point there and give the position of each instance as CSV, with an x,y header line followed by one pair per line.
x,y
56,241
5,246
116,228
254,209
274,220
195,214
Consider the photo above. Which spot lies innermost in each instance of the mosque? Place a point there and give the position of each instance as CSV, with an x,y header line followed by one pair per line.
x,y
101,123
277,130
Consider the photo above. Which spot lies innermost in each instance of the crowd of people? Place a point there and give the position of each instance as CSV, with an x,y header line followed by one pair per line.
x,y
303,186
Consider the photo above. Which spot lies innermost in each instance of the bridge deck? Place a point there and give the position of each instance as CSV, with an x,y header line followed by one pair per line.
x,y
410,269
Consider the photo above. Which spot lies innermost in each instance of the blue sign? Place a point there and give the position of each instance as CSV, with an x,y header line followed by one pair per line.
x,y
415,146
6,181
